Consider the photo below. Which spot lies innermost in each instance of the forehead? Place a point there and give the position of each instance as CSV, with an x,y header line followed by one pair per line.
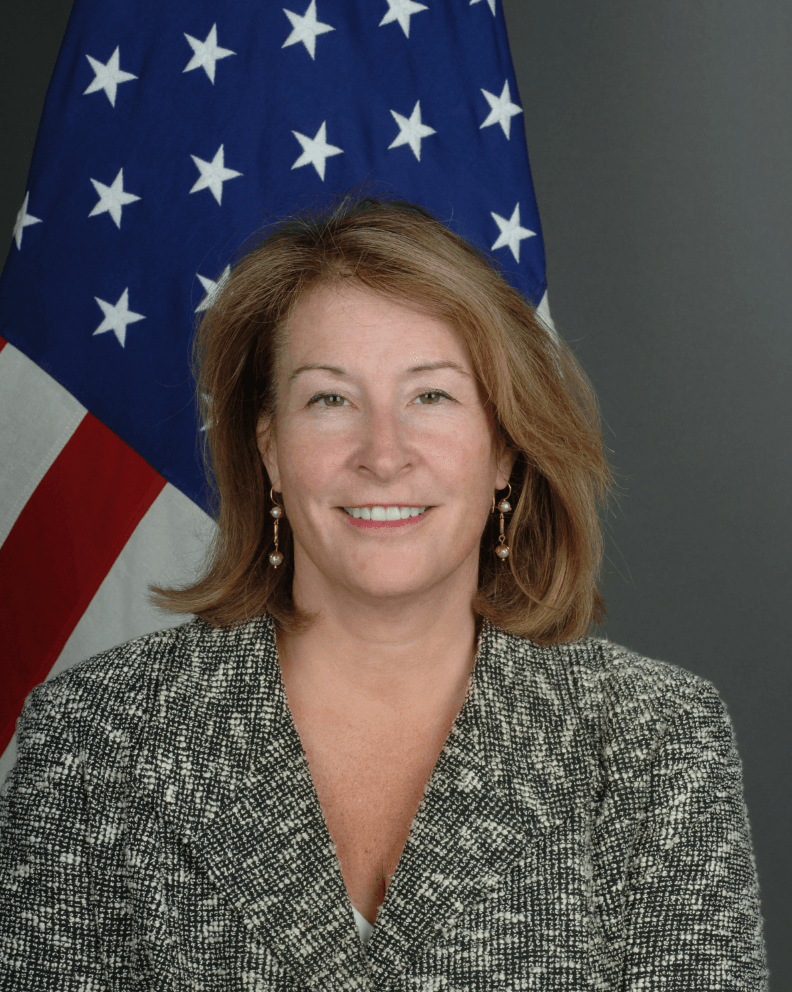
x,y
349,319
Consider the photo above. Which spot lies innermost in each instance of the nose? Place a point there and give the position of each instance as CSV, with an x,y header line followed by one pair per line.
x,y
384,450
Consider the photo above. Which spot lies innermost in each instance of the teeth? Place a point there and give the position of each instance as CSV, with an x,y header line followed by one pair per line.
x,y
384,512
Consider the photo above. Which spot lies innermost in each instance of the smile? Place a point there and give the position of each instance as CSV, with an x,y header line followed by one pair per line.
x,y
384,512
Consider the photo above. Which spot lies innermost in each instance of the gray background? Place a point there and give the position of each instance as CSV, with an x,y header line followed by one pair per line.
x,y
660,142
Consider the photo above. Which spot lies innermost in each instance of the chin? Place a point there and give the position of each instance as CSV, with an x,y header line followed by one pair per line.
x,y
379,577
383,585
381,574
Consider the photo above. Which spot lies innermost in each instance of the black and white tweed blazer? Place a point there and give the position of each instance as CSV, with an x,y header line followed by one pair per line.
x,y
584,828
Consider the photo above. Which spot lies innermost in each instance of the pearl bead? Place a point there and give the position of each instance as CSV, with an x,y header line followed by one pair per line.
x,y
504,506
275,559
276,512
502,552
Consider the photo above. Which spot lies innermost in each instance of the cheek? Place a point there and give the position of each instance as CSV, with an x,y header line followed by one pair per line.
x,y
464,453
310,461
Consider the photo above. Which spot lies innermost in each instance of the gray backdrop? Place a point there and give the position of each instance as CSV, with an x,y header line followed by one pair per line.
x,y
660,143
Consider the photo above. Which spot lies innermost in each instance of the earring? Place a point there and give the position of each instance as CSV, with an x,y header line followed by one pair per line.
x,y
502,550
276,512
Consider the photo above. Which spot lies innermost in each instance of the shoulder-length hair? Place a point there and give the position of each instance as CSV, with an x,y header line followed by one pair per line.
x,y
540,400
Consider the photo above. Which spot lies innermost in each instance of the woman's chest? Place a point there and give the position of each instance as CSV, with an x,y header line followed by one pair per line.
x,y
184,919
370,780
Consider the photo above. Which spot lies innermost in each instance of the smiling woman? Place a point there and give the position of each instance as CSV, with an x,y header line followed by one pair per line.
x,y
408,431
386,752
377,332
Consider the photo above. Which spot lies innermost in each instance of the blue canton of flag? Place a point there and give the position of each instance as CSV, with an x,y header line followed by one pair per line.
x,y
171,132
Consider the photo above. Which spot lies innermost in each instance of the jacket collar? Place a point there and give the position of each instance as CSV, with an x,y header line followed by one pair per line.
x,y
233,781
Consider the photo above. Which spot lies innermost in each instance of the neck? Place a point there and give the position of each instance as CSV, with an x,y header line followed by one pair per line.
x,y
394,658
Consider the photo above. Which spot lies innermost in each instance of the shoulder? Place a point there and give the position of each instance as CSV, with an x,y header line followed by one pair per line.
x,y
607,679
127,671
643,720
116,694
622,684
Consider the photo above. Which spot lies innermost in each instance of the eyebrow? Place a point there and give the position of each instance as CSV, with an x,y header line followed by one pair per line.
x,y
440,364
311,366
335,370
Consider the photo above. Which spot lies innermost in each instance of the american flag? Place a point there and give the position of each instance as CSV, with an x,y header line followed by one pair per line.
x,y
170,133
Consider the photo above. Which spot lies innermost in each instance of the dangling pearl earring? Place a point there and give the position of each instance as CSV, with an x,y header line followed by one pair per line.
x,y
502,550
276,512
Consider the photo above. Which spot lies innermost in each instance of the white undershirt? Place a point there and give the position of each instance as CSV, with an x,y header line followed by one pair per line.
x,y
363,925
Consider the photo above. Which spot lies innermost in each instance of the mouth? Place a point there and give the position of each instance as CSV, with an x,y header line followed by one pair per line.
x,y
384,517
382,513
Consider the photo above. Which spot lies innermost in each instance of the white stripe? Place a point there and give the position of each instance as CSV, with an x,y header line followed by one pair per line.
x,y
37,418
167,548
543,313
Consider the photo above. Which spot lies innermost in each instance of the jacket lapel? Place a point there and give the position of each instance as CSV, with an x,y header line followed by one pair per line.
x,y
516,764
511,770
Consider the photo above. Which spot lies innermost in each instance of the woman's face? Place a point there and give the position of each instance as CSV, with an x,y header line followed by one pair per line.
x,y
378,407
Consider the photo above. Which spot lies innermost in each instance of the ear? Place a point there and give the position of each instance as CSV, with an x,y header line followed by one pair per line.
x,y
505,467
268,449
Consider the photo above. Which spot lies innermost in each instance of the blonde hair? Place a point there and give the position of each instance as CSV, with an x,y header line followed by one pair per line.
x,y
540,399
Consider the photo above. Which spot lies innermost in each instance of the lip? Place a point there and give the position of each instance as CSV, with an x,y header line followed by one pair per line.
x,y
361,524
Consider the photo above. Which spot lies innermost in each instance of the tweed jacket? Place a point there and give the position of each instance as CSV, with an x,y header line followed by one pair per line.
x,y
584,828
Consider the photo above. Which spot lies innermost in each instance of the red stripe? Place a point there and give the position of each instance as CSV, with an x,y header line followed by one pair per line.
x,y
3,343
60,549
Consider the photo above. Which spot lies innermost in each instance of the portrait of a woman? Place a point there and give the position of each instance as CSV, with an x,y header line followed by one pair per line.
x,y
387,752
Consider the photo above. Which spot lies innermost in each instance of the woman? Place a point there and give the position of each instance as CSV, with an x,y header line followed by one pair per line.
x,y
387,711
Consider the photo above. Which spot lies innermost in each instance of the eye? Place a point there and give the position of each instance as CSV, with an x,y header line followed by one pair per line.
x,y
432,397
327,400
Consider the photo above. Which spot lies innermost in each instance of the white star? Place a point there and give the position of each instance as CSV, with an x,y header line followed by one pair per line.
x,y
315,150
116,317
23,220
411,130
402,11
306,29
212,289
112,198
490,2
213,174
206,53
501,109
511,233
108,77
